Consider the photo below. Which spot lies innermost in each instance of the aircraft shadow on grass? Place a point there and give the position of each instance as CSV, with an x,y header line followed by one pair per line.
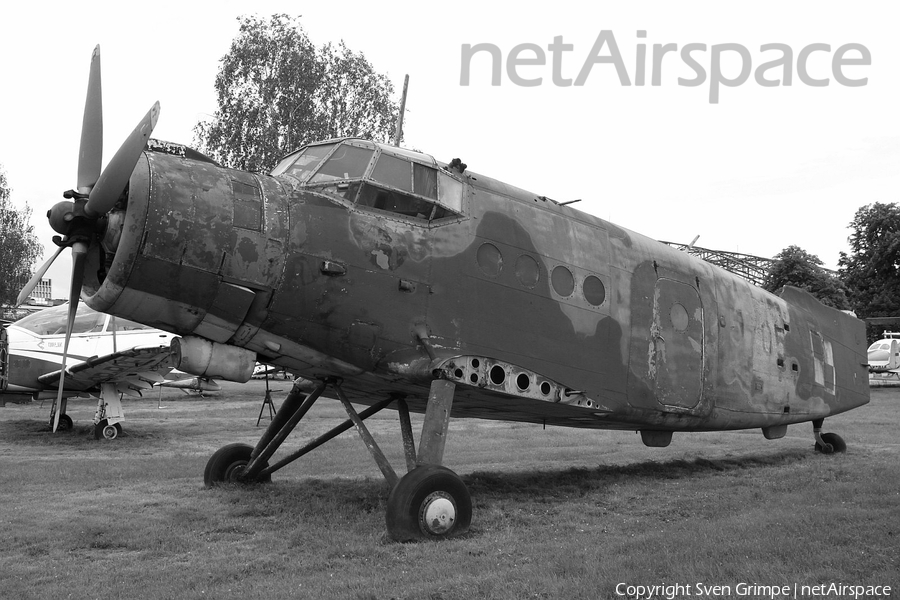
x,y
367,496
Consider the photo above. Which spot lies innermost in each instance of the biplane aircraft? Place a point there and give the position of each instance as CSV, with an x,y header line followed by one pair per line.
x,y
107,354
395,280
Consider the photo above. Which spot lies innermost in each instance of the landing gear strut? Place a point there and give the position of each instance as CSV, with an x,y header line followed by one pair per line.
x,y
827,443
65,421
109,413
430,502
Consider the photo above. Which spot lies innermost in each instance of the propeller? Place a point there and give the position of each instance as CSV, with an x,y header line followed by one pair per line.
x,y
77,219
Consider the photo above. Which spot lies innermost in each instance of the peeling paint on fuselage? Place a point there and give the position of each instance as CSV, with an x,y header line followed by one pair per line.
x,y
346,289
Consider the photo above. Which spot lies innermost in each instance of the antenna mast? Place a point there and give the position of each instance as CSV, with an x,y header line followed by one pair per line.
x,y
398,133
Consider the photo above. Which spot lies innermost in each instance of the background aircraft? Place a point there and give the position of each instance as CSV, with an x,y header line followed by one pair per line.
x,y
110,354
884,360
397,280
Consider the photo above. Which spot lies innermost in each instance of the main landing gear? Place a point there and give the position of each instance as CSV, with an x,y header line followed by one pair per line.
x,y
65,421
109,415
430,502
827,443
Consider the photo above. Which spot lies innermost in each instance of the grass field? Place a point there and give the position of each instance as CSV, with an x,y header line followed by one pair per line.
x,y
559,513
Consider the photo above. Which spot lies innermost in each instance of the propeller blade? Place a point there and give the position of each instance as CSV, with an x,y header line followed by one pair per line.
x,y
90,152
36,279
79,252
116,174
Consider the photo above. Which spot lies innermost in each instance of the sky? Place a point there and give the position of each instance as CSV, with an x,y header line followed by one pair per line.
x,y
762,168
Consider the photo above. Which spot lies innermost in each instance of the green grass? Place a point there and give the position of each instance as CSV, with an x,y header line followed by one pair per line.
x,y
559,513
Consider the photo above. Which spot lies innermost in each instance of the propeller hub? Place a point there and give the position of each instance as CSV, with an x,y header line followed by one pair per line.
x,y
61,216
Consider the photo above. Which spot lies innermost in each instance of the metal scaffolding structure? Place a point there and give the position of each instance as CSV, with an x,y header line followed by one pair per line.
x,y
752,268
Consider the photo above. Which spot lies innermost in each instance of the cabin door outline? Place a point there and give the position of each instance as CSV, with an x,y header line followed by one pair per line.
x,y
676,352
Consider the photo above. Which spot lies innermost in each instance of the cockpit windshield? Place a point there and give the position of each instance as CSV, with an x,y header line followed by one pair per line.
x,y
377,177
298,167
52,321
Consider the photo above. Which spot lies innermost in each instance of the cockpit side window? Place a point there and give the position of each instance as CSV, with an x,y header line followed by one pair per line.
x,y
449,192
394,172
425,181
410,189
347,162
395,202
397,181
120,324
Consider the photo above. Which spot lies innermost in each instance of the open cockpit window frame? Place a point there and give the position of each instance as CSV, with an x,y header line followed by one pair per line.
x,y
374,177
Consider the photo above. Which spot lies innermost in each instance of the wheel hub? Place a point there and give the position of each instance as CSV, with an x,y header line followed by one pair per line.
x,y
438,513
235,471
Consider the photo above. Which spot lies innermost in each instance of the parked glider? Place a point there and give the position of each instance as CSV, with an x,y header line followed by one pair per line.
x,y
397,280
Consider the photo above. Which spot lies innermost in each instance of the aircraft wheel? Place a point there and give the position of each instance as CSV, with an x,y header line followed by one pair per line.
x,y
227,465
65,423
833,444
103,430
429,503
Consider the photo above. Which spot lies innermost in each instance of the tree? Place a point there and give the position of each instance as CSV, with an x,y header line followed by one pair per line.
x,y
795,266
871,271
19,246
276,91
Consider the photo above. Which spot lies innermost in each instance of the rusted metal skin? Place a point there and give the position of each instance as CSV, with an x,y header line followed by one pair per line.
x,y
633,333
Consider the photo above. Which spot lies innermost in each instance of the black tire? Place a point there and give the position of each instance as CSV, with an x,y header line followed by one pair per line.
x,y
226,465
429,503
98,429
833,444
65,423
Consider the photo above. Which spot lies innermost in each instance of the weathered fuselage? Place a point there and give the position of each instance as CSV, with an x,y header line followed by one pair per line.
x,y
537,311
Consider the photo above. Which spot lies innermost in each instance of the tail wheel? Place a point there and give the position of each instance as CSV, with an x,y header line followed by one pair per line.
x,y
227,465
833,444
429,503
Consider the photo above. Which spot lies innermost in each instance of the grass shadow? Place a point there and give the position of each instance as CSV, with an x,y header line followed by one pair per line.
x,y
576,481
36,433
302,498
